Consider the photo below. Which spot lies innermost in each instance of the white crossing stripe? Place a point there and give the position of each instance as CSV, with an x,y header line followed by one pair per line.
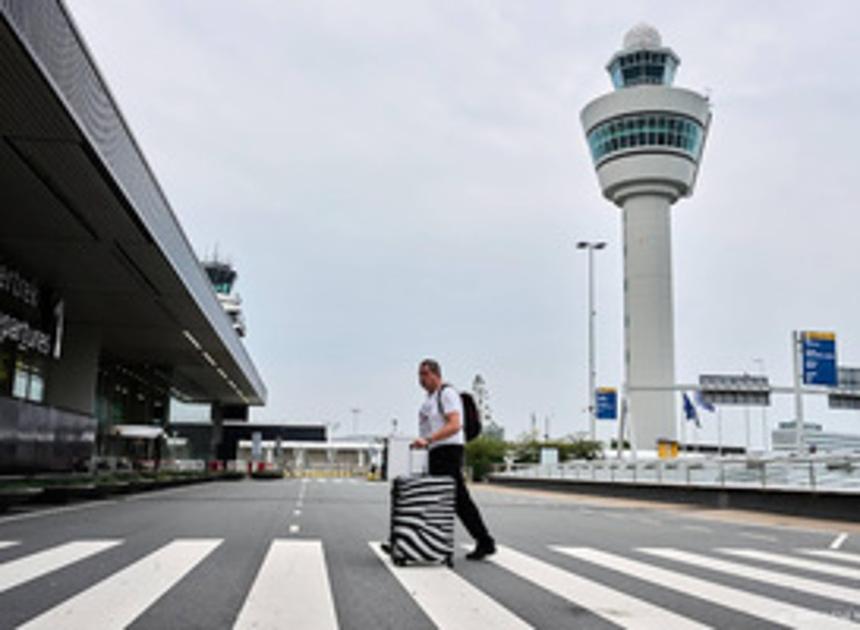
x,y
15,572
118,600
618,607
837,542
772,610
783,580
842,556
7,543
796,563
291,590
449,600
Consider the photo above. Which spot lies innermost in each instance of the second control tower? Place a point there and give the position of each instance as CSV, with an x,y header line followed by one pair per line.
x,y
646,138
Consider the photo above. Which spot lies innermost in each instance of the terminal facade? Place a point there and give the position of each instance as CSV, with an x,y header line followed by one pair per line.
x,y
106,313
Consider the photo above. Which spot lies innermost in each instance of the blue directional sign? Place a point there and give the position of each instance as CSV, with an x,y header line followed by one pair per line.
x,y
606,399
819,358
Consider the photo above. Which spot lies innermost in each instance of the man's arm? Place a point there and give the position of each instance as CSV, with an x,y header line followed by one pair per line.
x,y
451,426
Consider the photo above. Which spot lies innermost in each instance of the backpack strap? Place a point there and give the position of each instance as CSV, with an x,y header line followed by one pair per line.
x,y
439,399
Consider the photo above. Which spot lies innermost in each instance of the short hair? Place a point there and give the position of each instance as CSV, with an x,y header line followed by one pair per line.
x,y
432,365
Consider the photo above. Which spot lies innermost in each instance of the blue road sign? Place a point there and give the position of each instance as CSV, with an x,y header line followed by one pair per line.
x,y
607,403
819,358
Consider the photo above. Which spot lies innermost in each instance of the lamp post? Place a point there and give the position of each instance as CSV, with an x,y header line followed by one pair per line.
x,y
764,437
590,247
355,411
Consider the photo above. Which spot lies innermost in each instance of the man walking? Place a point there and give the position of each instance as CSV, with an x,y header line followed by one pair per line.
x,y
440,421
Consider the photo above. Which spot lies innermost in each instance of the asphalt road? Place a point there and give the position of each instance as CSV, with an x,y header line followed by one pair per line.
x,y
298,554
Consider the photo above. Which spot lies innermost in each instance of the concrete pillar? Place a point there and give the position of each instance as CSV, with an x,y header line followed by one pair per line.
x,y
649,317
217,417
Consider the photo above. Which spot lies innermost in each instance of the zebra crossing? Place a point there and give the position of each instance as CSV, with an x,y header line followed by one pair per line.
x,y
292,585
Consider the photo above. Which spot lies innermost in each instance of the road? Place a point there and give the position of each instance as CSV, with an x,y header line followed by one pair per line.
x,y
299,553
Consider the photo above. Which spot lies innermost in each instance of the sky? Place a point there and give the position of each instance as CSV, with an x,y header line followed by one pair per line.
x,y
395,180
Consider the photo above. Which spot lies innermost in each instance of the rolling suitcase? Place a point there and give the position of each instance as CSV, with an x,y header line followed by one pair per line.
x,y
422,519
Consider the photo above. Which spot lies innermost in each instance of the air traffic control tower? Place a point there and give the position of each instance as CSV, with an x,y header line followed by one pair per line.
x,y
646,138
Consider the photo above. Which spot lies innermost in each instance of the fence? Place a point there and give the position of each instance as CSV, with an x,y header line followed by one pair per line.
x,y
830,472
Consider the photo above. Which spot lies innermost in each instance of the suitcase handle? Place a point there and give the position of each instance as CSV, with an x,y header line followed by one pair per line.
x,y
422,473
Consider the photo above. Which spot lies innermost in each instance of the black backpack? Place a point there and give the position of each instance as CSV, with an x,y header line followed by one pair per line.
x,y
471,414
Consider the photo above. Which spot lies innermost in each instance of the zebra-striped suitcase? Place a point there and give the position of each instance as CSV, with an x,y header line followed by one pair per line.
x,y
422,519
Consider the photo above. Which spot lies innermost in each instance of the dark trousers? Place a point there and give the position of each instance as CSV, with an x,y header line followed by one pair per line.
x,y
447,460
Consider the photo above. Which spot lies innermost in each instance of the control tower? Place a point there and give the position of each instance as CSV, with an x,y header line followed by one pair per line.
x,y
223,277
646,138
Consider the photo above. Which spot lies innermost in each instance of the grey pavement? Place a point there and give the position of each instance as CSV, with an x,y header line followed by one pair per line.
x,y
297,553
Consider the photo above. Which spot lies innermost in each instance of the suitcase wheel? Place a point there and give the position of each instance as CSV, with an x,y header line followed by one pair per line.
x,y
450,561
400,562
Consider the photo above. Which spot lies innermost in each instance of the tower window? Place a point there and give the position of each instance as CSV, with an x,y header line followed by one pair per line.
x,y
640,131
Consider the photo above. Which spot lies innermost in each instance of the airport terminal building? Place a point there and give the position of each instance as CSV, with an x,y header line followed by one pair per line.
x,y
106,313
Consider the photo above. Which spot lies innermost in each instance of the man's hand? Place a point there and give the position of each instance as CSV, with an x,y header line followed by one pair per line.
x,y
420,443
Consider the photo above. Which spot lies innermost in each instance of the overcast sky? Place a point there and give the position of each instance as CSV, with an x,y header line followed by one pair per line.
x,y
400,179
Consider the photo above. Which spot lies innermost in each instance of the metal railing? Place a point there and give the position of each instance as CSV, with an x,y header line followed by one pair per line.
x,y
822,472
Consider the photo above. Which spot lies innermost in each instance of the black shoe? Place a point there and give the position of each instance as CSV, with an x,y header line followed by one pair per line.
x,y
482,550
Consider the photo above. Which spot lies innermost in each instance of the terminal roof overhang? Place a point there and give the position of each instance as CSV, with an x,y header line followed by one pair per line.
x,y
81,210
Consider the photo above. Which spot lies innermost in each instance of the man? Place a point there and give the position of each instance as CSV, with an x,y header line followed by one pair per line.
x,y
440,427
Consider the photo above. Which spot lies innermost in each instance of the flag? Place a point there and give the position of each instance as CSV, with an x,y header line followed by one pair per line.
x,y
690,412
704,404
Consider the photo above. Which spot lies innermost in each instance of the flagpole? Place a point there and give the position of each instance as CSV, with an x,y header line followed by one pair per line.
x,y
696,436
684,421
720,431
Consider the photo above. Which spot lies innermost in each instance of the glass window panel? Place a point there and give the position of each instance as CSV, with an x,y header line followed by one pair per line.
x,y
19,388
36,391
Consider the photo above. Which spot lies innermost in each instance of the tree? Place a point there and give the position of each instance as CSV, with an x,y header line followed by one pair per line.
x,y
527,449
483,452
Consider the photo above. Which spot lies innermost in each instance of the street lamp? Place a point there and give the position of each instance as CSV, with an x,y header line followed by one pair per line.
x,y
591,246
355,411
764,437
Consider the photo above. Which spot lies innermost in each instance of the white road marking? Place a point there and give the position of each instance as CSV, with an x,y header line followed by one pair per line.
x,y
7,543
837,542
797,563
697,528
294,528
617,607
749,603
782,580
291,590
844,556
449,600
118,600
297,512
337,480
15,572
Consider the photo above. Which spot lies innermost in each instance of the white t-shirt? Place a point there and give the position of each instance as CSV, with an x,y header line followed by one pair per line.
x,y
430,420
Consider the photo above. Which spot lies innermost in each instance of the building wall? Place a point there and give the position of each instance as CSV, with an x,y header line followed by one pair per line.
x,y
35,437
